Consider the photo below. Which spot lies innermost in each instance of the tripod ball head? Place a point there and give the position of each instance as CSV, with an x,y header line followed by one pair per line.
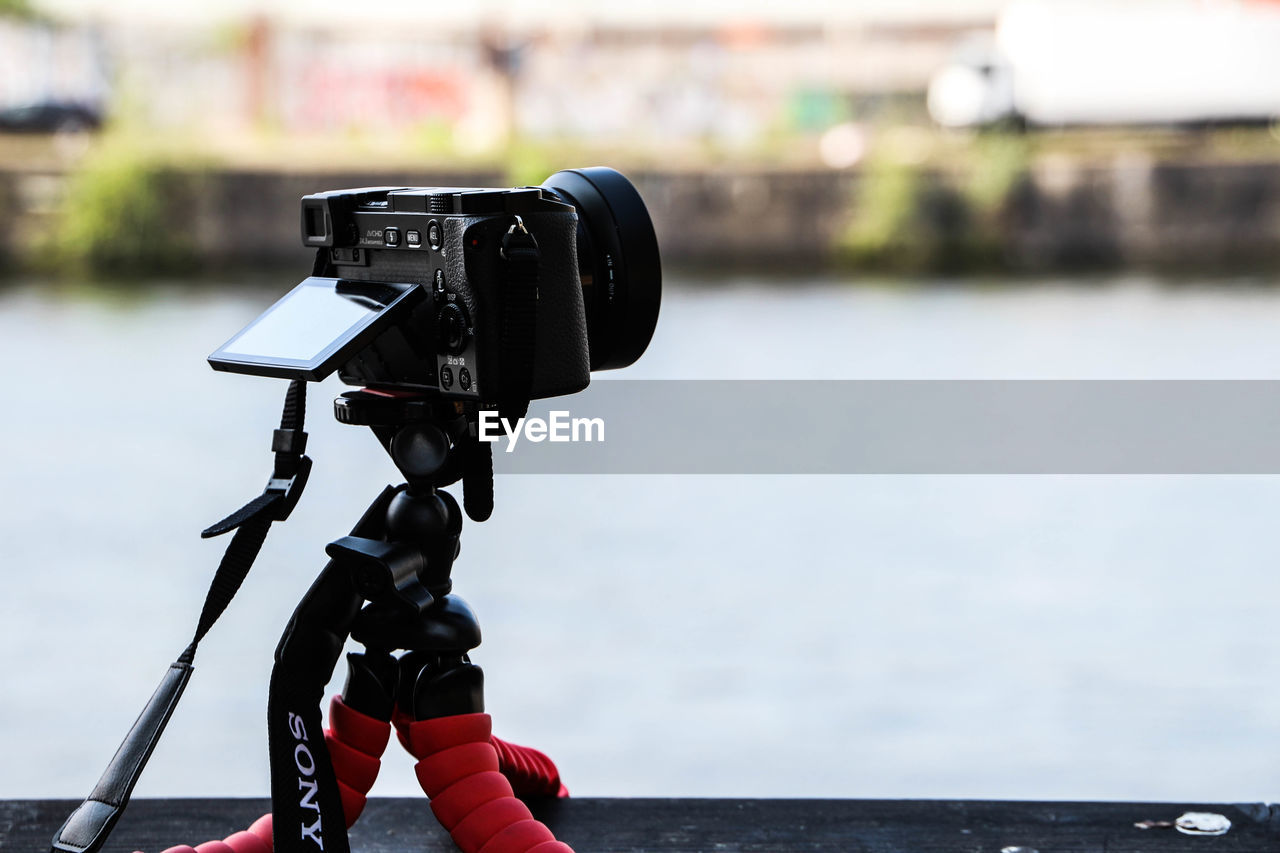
x,y
419,449
421,519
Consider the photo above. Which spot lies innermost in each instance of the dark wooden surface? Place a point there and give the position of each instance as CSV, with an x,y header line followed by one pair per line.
x,y
874,826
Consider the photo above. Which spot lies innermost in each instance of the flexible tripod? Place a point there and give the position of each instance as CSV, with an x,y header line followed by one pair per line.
x,y
388,586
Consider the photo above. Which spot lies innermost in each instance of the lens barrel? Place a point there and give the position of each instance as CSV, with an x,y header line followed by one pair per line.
x,y
618,263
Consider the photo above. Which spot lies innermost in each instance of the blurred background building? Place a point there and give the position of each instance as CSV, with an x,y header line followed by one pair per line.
x,y
1034,135
725,75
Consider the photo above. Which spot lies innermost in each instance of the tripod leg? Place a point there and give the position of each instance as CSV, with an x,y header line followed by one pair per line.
x,y
438,686
460,763
359,727
531,772
255,839
458,769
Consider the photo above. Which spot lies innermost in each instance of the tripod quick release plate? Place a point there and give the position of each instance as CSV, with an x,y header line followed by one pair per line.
x,y
372,407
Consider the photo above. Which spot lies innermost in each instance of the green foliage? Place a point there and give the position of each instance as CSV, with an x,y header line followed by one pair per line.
x,y
433,140
879,235
928,206
529,165
119,217
17,9
996,161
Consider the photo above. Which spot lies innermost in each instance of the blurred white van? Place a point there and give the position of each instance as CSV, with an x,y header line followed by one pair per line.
x,y
1126,62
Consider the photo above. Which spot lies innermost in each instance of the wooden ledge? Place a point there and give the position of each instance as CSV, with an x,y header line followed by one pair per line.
x,y
405,825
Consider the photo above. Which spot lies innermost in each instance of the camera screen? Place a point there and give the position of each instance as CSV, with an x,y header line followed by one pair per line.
x,y
314,328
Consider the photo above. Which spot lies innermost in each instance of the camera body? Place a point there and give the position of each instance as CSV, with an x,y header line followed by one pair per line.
x,y
481,296
448,241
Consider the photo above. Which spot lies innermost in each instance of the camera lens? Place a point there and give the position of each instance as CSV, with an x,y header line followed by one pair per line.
x,y
618,263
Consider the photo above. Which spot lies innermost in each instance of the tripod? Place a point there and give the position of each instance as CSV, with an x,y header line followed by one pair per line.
x,y
387,585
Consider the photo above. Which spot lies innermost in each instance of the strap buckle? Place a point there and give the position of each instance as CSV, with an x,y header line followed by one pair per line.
x,y
290,487
291,470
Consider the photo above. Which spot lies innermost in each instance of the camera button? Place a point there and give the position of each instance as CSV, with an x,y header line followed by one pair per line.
x,y
446,378
413,238
391,236
435,237
464,379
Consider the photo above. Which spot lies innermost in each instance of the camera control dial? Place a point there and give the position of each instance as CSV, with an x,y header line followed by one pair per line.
x,y
454,334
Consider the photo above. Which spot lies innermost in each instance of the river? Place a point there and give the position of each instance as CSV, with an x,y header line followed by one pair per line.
x,y
1082,637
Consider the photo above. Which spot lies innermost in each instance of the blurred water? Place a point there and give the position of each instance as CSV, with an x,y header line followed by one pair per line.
x,y
1028,637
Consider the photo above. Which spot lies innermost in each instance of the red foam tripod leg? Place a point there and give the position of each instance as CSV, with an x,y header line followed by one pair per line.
x,y
355,742
214,847
458,768
461,799
551,847
262,828
437,772
487,821
358,731
247,842
531,772
523,835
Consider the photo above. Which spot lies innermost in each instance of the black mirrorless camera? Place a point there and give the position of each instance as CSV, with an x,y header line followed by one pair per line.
x,y
472,294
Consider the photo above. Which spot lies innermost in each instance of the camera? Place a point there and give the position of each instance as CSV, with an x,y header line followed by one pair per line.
x,y
472,294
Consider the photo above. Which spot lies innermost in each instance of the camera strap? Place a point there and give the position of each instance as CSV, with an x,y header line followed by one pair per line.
x,y
87,828
519,321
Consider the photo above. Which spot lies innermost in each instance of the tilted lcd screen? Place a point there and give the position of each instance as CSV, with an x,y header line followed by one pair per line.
x,y
315,328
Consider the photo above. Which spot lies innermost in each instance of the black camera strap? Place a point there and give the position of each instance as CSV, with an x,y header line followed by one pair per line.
x,y
519,321
87,828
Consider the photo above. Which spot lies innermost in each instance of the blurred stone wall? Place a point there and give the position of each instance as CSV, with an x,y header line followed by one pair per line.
x,y
1058,217
1146,215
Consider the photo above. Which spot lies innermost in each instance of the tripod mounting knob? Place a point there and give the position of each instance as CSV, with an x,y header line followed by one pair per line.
x,y
384,572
